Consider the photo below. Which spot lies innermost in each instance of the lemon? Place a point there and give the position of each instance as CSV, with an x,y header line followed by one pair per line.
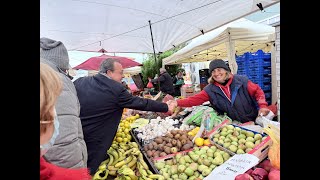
x,y
129,137
126,125
118,134
125,139
199,141
121,124
206,142
126,131
137,116
119,139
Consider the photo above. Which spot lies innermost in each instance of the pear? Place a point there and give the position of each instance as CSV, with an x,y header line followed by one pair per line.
x,y
251,139
183,176
240,151
230,132
206,162
234,143
234,138
218,160
181,168
206,172
265,137
169,162
214,148
242,141
237,129
166,175
188,171
216,135
215,140
248,150
243,132
242,136
159,165
210,154
227,140
257,142
182,161
163,170
202,151
230,127
223,133
174,169
203,156
221,137
191,153
210,151
225,156
202,167
226,144
194,166
196,174
236,133
217,153
175,176
187,159
224,129
257,136
195,157
220,142
196,149
233,148
192,178
249,134
249,144
242,146
205,148
212,166
178,156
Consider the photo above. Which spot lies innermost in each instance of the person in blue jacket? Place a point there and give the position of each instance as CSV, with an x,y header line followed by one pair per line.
x,y
102,99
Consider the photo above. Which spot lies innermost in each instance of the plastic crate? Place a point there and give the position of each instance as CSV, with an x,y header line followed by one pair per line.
x,y
258,55
267,95
259,70
258,63
260,78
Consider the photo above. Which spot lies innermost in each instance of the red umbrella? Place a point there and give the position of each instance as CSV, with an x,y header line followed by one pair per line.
x,y
93,63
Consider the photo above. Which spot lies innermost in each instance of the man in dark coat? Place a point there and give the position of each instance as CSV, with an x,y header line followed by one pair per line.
x,y
102,100
165,80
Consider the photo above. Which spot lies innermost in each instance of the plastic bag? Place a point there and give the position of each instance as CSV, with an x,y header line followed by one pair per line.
x,y
149,85
274,151
265,120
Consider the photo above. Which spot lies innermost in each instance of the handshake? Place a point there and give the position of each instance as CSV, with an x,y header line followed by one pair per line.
x,y
172,107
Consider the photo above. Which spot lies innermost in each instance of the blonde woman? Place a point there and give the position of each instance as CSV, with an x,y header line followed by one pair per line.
x,y
50,89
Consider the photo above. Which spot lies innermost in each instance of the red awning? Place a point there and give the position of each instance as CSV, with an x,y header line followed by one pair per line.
x,y
93,63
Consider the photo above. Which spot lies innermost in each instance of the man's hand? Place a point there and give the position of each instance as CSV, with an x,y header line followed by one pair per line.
x,y
263,111
172,104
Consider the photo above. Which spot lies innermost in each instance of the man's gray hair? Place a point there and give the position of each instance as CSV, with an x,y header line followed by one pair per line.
x,y
162,70
107,64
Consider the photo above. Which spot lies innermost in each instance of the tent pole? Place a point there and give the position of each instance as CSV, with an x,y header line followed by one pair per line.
x,y
154,52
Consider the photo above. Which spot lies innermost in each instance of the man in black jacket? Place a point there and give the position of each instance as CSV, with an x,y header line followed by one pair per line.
x,y
165,80
102,100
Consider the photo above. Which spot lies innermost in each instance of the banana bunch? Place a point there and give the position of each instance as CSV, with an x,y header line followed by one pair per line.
x,y
143,169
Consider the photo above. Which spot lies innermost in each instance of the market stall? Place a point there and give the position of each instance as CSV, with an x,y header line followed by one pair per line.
x,y
195,143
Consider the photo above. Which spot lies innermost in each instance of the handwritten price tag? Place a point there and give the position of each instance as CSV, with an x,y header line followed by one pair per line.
x,y
237,164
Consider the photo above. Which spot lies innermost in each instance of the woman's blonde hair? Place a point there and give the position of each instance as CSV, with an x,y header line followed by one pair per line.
x,y
50,89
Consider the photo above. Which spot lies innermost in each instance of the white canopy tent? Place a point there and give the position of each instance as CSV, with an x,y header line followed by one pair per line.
x,y
224,42
123,26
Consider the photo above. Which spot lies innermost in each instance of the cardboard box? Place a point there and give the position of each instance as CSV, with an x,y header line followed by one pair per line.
x,y
260,151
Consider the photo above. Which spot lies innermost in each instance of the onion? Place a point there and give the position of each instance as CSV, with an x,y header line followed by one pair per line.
x,y
274,175
259,174
266,164
243,177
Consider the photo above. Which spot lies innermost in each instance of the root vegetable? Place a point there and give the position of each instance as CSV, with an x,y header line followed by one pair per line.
x,y
259,174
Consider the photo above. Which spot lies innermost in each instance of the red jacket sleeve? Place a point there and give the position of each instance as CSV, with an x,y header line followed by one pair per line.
x,y
256,92
194,100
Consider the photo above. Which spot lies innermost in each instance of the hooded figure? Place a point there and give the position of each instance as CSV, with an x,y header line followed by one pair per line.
x,y
69,149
